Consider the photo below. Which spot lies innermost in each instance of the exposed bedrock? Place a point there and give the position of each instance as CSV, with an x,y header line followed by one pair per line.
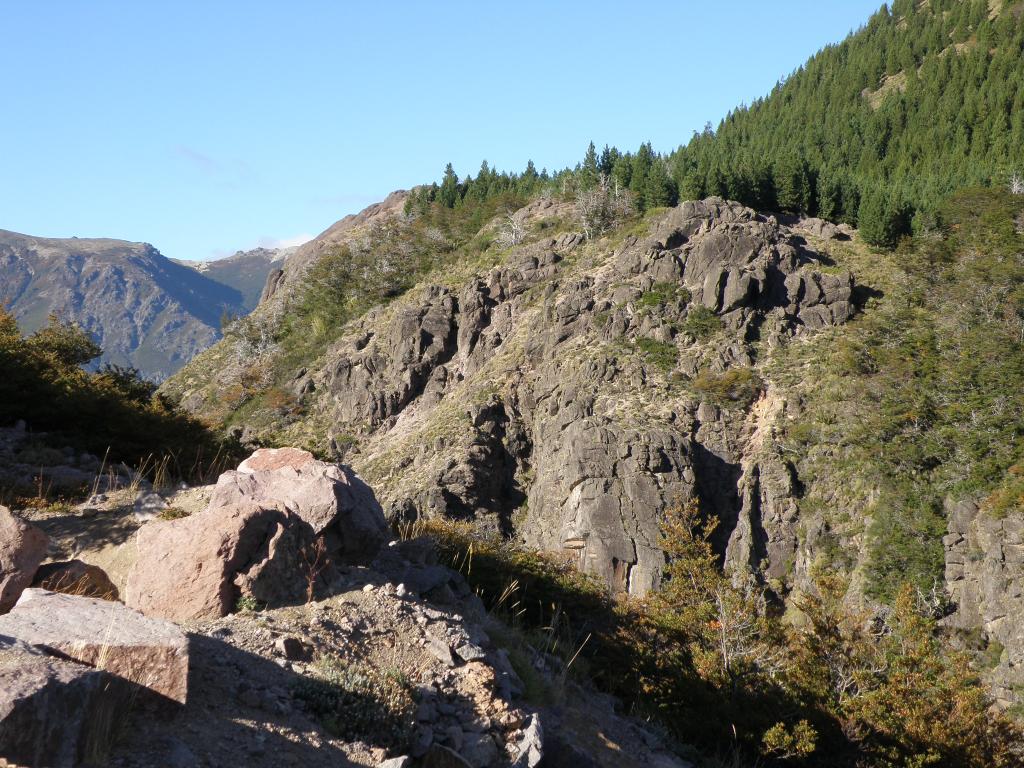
x,y
570,436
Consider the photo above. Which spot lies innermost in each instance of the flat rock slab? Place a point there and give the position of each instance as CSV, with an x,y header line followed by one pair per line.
x,y
22,549
146,652
48,707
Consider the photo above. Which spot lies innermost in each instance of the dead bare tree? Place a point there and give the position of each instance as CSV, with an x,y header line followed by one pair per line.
x,y
600,207
314,562
1016,184
513,229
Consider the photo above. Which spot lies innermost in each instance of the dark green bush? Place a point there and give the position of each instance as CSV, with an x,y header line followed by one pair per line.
x,y
111,410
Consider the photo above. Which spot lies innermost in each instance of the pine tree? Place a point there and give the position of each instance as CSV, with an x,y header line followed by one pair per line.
x,y
882,219
660,190
590,171
448,194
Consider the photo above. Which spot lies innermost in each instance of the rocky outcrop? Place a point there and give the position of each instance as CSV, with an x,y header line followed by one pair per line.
x,y
571,394
105,635
985,580
22,549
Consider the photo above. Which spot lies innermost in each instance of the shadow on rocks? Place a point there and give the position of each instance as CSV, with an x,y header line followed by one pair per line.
x,y
242,710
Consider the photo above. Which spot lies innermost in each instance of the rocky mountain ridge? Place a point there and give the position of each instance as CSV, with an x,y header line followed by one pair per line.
x,y
245,271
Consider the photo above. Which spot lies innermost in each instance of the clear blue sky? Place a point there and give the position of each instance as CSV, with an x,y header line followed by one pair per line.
x,y
204,127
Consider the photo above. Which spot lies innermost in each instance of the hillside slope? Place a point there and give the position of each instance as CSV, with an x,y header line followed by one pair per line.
x,y
566,378
143,309
569,392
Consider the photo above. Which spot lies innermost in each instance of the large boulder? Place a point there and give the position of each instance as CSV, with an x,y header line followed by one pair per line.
x,y
50,708
22,549
197,567
329,497
145,652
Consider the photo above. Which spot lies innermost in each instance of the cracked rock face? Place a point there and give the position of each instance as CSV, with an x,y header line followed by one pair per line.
x,y
553,398
985,579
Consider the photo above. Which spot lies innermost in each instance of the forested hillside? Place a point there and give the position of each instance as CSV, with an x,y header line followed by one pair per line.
x,y
927,98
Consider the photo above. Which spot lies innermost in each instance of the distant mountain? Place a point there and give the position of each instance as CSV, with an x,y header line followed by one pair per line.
x,y
245,271
144,309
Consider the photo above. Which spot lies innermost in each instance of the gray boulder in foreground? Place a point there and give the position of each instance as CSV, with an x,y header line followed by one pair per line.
x,y
145,652
50,709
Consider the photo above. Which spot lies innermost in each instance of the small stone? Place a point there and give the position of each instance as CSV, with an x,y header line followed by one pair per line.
x,y
426,712
400,590
440,650
395,762
470,652
529,749
148,504
480,751
290,647
368,588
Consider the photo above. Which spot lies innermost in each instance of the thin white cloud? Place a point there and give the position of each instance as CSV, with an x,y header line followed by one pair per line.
x,y
200,161
226,172
284,242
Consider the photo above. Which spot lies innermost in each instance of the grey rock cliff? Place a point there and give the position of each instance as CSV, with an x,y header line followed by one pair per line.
x,y
527,397
985,579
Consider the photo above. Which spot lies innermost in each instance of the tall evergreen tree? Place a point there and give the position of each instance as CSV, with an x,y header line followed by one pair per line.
x,y
448,195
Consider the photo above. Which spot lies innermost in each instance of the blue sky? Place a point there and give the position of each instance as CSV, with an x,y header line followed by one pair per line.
x,y
205,127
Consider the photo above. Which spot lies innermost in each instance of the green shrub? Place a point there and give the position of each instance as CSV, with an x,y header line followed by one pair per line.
x,y
701,322
663,355
112,412
736,386
660,295
707,658
358,702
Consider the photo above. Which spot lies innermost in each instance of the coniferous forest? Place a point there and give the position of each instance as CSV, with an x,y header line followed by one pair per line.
x,y
875,131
